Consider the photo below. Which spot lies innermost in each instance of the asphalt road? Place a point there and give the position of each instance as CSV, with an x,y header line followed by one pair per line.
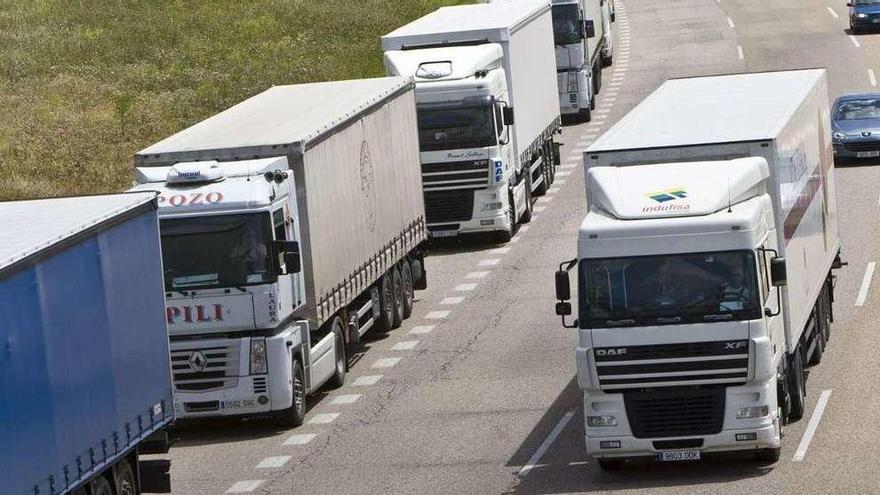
x,y
467,395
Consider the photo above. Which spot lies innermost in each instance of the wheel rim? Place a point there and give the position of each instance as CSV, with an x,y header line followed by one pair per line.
x,y
408,285
299,390
387,295
340,354
102,487
125,480
398,301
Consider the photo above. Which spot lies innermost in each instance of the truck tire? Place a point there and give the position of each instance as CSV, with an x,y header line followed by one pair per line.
x,y
338,378
295,415
100,486
545,184
397,289
607,61
586,114
769,456
610,464
385,322
796,388
527,215
505,236
408,288
126,481
819,349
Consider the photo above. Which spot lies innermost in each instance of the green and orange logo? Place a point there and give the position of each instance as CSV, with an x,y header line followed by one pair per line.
x,y
668,194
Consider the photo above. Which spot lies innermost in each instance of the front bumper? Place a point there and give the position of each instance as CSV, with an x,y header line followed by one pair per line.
x,y
872,20
852,149
480,221
237,401
573,103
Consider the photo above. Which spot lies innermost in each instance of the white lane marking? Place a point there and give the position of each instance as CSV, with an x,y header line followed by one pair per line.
x,y
423,329
273,462
739,52
246,486
300,439
832,12
610,98
866,284
553,190
872,77
501,250
811,428
730,22
345,399
489,262
545,199
567,167
386,362
476,275
323,419
855,42
561,180
515,239
366,381
437,315
448,301
563,174
546,444
525,228
539,209
406,345
465,287
535,216
573,159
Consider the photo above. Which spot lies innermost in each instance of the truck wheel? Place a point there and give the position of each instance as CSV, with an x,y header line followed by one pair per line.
x,y
819,350
397,297
295,415
126,482
100,486
408,288
796,388
607,61
505,236
527,215
542,189
338,378
586,114
611,464
768,455
386,305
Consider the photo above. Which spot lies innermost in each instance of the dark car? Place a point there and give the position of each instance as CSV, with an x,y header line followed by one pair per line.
x,y
863,14
855,126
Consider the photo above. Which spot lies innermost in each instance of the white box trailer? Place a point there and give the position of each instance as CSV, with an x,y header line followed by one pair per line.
x,y
705,266
327,173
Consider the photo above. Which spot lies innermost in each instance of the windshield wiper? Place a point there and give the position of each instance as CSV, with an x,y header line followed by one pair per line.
x,y
620,323
718,317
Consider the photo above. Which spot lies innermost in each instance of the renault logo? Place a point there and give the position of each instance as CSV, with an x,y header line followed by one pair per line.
x,y
198,362
866,133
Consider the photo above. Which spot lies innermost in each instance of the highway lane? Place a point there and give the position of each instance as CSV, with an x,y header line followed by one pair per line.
x,y
477,391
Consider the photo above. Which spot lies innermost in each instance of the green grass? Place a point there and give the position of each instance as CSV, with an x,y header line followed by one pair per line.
x,y
85,84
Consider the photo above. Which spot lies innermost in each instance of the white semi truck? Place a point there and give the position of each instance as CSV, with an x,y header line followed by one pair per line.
x,y
705,267
475,67
291,224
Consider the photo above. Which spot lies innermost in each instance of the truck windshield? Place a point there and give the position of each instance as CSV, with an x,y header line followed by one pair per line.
x,y
669,289
446,128
566,24
217,251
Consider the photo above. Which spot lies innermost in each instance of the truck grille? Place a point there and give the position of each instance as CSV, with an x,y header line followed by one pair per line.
x,y
669,365
445,176
675,412
449,206
199,367
863,146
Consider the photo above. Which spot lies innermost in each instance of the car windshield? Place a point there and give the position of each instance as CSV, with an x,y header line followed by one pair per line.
x,y
217,251
867,2
867,108
668,289
566,25
446,128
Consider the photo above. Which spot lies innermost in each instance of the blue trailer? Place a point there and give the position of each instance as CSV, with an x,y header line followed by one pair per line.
x,y
84,365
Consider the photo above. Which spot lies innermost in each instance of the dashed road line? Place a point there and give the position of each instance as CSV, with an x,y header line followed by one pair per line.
x,y
542,449
501,250
448,301
871,77
489,262
345,399
422,329
545,199
812,426
739,52
465,287
406,345
437,315
366,381
273,462
327,418
866,284
563,174
300,439
730,22
832,12
246,486
854,41
473,275
525,228
539,209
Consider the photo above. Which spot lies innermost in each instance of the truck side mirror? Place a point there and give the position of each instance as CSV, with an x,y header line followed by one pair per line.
x,y
563,289
778,274
507,115
291,261
289,251
589,29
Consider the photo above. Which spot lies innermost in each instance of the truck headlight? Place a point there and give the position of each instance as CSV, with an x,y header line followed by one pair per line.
x,y
752,412
259,363
492,206
838,136
601,421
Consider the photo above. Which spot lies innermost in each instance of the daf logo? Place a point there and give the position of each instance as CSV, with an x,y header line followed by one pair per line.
x,y
198,362
611,352
866,133
734,345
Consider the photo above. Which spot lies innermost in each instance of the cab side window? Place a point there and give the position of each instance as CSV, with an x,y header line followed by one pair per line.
x,y
764,273
278,223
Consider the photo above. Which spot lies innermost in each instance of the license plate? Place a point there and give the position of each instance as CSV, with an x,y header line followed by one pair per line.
x,y
868,154
237,404
442,233
679,455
